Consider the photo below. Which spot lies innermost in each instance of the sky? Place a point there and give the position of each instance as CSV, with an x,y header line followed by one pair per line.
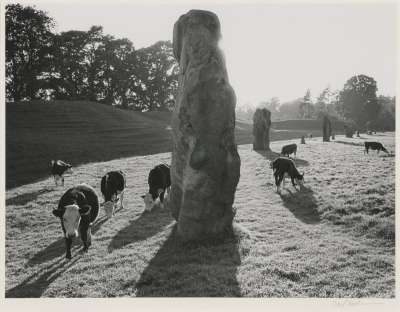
x,y
271,50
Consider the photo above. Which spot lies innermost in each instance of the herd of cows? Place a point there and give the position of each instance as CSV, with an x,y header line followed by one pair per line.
x,y
79,206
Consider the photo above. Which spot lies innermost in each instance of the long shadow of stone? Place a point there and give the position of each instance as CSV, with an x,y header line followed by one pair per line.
x,y
26,197
205,269
36,284
302,204
146,225
57,248
271,155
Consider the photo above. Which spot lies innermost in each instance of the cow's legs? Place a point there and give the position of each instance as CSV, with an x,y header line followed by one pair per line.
x,y
162,199
68,243
86,236
122,199
281,182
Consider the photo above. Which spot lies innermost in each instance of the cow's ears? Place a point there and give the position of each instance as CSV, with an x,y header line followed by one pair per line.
x,y
58,213
84,210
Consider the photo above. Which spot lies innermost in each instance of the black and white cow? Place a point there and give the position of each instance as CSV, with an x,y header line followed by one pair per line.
x,y
374,146
159,186
77,209
58,169
112,187
284,167
289,149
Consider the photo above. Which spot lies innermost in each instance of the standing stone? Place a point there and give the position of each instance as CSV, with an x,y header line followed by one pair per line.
x,y
205,167
326,129
261,125
333,136
348,131
303,140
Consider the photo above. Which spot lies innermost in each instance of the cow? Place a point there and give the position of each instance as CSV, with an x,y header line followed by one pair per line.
x,y
284,167
159,185
77,209
112,188
289,149
58,169
374,146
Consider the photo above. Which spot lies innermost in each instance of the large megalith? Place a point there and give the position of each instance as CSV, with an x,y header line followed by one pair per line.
x,y
205,167
261,125
326,129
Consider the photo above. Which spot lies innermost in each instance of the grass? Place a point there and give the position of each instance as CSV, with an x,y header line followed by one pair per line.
x,y
81,132
334,238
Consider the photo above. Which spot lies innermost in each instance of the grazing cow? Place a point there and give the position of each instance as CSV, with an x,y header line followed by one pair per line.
x,y
159,183
289,149
58,169
77,209
112,185
284,167
374,146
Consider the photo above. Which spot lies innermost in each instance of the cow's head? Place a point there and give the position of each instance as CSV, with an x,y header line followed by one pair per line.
x,y
300,179
69,169
70,217
149,201
109,207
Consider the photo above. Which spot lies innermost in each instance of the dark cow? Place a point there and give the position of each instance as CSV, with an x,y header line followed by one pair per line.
x,y
289,149
374,146
284,167
77,209
159,184
112,185
58,169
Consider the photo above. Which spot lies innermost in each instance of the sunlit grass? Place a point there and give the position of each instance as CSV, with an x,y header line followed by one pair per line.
x,y
334,238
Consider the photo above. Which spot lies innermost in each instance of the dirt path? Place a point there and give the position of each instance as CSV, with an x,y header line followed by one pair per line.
x,y
333,239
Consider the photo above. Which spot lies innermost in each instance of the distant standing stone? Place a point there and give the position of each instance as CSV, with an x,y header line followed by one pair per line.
x,y
326,129
205,167
303,140
261,126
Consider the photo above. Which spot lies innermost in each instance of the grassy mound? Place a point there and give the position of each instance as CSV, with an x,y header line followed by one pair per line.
x,y
80,132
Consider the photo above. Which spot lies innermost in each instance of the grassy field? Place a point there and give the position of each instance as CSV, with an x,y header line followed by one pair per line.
x,y
334,238
84,132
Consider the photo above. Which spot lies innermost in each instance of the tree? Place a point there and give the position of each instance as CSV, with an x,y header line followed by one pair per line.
x,y
358,100
28,49
321,105
306,109
158,73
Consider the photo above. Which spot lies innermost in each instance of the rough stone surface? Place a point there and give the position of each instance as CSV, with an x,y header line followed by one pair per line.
x,y
326,129
261,126
348,131
205,167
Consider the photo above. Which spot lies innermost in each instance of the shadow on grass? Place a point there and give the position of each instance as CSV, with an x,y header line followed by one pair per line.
x,y
146,225
349,143
271,155
36,284
25,198
302,204
57,248
192,270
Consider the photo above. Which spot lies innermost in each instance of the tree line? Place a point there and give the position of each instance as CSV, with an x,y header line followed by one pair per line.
x,y
84,65
357,103
90,65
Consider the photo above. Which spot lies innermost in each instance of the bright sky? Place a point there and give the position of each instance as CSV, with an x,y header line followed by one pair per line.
x,y
271,50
